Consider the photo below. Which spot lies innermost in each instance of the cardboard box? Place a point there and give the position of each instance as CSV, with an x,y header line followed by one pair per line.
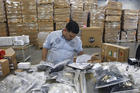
x,y
4,67
113,18
114,5
62,11
130,36
129,25
29,18
62,18
89,6
91,36
3,29
44,1
11,55
45,26
111,52
60,25
45,11
130,17
112,30
131,12
113,12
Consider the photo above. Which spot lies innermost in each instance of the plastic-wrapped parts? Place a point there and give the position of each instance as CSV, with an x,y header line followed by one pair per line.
x,y
61,88
125,87
108,76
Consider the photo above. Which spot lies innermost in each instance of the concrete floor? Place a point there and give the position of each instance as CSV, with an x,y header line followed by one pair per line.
x,y
37,53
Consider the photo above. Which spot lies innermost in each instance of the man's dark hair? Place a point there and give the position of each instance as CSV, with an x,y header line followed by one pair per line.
x,y
73,27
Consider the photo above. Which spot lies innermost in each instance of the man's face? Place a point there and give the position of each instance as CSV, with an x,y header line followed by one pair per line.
x,y
69,35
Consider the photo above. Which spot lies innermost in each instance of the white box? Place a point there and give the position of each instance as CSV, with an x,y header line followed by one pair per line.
x,y
6,41
25,65
24,38
19,42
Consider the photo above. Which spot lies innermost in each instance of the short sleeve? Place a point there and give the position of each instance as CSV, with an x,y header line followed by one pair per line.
x,y
79,46
47,43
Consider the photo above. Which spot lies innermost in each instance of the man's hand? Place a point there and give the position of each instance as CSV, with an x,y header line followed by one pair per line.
x,y
44,54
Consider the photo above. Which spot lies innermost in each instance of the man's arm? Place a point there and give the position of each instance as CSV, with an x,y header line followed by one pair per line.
x,y
44,53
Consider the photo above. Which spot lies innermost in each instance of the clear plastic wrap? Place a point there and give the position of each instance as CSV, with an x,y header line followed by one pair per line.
x,y
108,76
61,88
22,82
125,87
66,78
83,58
81,66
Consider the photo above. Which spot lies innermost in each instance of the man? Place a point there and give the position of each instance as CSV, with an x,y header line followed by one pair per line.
x,y
62,44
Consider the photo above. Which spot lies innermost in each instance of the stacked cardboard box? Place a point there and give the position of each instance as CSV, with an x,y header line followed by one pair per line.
x,y
14,15
91,37
77,13
45,15
2,16
4,67
61,14
3,29
112,21
111,52
130,22
128,36
130,19
2,20
29,11
11,56
97,17
90,5
14,11
29,15
31,30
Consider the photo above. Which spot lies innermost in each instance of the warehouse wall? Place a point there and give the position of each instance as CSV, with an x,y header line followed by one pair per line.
x,y
127,4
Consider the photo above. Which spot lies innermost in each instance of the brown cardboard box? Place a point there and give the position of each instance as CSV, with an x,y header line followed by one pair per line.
x,y
114,5
91,36
45,1
60,25
11,55
130,25
131,12
45,11
45,26
61,11
4,67
130,17
129,36
113,18
113,12
111,52
61,18
3,29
